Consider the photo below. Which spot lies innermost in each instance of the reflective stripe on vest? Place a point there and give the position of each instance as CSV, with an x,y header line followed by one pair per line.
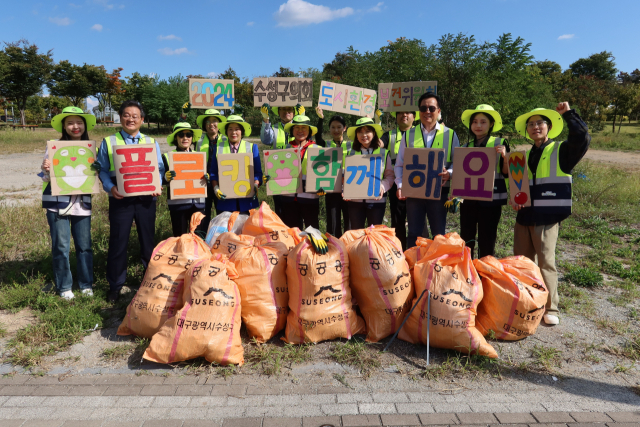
x,y
281,142
346,147
203,144
441,135
394,143
551,187
117,139
199,200
244,147
60,202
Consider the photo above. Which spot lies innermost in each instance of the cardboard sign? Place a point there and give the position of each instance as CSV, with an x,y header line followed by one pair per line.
x,y
363,176
211,93
324,169
474,170
519,179
235,175
282,91
137,169
190,168
420,178
347,99
403,96
283,166
71,171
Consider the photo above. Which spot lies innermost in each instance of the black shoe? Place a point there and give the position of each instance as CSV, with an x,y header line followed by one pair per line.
x,y
113,296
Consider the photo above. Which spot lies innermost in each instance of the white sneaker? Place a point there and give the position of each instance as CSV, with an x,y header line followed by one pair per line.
x,y
87,292
67,295
551,319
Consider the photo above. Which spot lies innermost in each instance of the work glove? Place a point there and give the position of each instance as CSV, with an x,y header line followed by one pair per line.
x,y
452,205
95,166
266,179
319,112
264,110
376,116
321,192
207,177
300,110
169,175
219,194
316,239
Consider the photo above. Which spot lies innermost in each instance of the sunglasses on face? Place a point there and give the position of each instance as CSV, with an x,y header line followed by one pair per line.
x,y
430,108
185,134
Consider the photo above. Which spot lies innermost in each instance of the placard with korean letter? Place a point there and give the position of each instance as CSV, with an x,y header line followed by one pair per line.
x,y
136,169
519,192
70,170
284,170
474,170
324,169
189,182
420,175
282,91
363,176
211,93
403,96
347,99
235,175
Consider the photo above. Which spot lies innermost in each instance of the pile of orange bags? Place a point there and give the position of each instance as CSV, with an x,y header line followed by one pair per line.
x,y
514,297
379,278
228,243
209,323
160,295
447,271
319,295
264,224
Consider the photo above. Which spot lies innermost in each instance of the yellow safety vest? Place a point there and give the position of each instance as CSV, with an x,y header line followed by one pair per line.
x,y
550,187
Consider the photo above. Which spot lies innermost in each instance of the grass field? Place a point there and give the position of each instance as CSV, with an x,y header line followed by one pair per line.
x,y
627,140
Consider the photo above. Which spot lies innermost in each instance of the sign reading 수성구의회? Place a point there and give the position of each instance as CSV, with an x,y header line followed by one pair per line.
x,y
420,175
136,168
473,173
282,91
403,96
211,93
235,175
189,182
347,99
70,170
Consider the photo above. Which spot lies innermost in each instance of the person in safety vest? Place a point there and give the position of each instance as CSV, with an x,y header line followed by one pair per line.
x,y
392,139
302,209
124,210
550,164
235,129
478,216
181,210
430,134
366,140
208,122
70,215
336,206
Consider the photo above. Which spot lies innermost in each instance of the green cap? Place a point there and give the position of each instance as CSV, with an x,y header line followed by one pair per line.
x,y
365,121
57,120
197,133
222,127
484,109
210,113
555,117
300,121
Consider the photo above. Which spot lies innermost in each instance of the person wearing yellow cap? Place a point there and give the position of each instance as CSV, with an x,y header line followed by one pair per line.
x,y
483,217
235,129
208,122
550,164
181,210
69,215
302,209
366,140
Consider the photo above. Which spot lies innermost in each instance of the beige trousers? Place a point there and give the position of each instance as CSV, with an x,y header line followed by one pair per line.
x,y
539,241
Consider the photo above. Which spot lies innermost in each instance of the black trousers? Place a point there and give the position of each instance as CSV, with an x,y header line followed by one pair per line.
x,y
398,210
337,212
209,210
122,213
277,207
181,219
300,214
483,220
373,213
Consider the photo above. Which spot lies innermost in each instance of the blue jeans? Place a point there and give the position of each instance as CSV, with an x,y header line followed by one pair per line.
x,y
435,212
62,228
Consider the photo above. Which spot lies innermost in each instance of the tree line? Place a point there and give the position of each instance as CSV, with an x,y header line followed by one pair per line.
x,y
503,74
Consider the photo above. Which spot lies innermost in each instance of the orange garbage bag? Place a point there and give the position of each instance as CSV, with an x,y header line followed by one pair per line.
x,y
227,243
209,323
514,297
414,254
319,295
447,271
380,280
160,294
264,223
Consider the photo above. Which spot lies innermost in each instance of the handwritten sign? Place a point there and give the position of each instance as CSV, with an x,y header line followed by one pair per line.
x,y
420,178
71,171
190,169
403,96
347,99
324,169
363,176
473,173
136,169
211,93
235,175
283,167
282,91
519,179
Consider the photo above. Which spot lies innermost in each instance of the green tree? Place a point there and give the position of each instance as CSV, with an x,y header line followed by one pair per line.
x,y
626,97
110,90
24,72
284,72
589,96
599,65
76,81
163,100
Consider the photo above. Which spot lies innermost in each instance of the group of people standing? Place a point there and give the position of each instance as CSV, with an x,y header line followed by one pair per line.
x,y
536,231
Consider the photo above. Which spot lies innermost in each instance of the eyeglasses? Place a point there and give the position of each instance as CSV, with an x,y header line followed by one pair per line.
x,y
538,124
424,108
185,134
129,116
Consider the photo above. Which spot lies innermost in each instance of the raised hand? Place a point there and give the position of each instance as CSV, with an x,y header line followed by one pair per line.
x,y
562,107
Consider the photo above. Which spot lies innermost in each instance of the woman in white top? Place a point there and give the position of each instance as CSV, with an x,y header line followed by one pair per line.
x,y
70,215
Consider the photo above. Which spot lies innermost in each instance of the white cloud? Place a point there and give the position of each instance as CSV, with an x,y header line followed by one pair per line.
x,y
213,75
169,51
60,21
566,36
91,102
107,5
250,24
169,37
376,8
299,12
97,27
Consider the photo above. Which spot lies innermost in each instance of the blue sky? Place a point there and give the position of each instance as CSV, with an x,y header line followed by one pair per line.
x,y
255,38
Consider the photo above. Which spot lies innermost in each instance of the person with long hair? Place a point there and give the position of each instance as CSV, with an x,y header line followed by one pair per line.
x,y
483,217
69,215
